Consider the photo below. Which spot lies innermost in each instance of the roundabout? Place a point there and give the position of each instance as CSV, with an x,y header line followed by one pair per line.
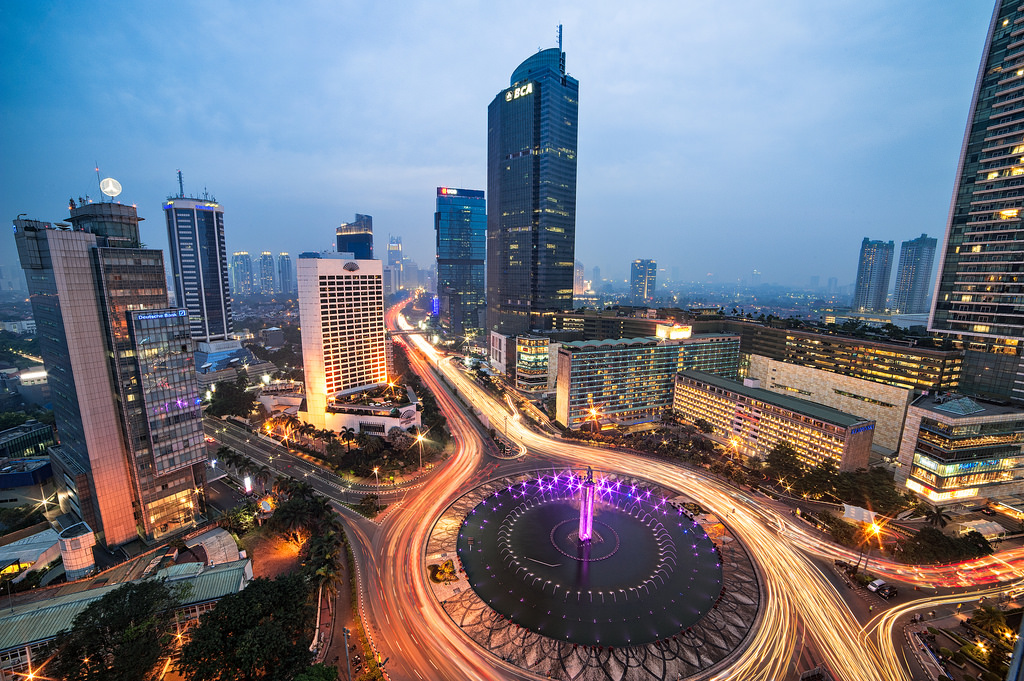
x,y
567,574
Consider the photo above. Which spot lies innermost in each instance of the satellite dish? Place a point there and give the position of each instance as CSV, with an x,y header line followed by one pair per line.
x,y
110,187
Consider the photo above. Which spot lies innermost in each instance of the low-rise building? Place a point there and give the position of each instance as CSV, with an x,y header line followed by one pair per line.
x,y
531,366
753,421
628,381
886,405
614,382
30,439
958,449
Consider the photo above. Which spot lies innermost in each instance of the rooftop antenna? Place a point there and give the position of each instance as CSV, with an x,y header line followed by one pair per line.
x,y
559,37
181,186
99,181
561,54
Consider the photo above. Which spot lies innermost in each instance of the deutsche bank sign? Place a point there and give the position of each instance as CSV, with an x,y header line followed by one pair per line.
x,y
521,91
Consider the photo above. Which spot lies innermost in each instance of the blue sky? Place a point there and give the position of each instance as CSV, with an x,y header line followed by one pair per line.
x,y
715,137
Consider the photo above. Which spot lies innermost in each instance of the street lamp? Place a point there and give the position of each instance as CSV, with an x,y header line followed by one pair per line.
x,y
593,415
419,439
375,478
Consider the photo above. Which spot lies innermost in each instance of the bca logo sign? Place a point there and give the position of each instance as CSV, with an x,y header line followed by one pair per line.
x,y
518,92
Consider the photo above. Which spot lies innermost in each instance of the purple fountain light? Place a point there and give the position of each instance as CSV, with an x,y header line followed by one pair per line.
x,y
587,507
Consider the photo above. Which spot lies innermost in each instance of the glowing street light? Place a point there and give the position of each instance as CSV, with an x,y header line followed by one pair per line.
x,y
419,439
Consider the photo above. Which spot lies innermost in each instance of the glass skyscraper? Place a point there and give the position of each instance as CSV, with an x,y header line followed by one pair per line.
x,y
356,237
285,274
643,276
873,273
460,224
981,267
199,265
241,273
531,192
913,275
131,458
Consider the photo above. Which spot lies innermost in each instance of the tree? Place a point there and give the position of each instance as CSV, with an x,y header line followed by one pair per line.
x,y
990,618
782,462
347,436
704,426
318,672
120,636
232,399
936,517
261,632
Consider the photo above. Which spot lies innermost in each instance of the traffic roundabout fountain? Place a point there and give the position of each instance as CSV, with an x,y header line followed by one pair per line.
x,y
575,576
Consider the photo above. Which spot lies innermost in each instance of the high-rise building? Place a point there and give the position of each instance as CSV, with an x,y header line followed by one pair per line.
x,y
873,273
199,265
267,273
979,285
285,275
531,189
241,273
341,304
356,237
460,224
131,458
913,275
395,261
579,282
643,275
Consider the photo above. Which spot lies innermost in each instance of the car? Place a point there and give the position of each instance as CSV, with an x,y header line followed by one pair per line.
x,y
876,585
987,511
209,439
887,591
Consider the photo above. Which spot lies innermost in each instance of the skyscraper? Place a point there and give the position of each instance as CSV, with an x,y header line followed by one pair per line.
x,y
460,224
241,273
531,190
199,265
356,237
341,304
873,272
284,274
979,283
643,275
267,273
395,262
131,459
579,283
913,275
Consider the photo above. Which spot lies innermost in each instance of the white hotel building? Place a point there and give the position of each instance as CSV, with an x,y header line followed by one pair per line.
x,y
341,307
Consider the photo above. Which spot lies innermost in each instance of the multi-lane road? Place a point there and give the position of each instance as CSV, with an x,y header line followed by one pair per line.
x,y
803,612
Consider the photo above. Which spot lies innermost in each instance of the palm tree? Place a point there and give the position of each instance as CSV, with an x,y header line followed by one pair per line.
x,y
284,485
936,517
225,455
347,435
262,475
990,618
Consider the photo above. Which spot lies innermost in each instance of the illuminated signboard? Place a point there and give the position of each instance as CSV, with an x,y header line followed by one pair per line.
x,y
162,315
447,191
521,91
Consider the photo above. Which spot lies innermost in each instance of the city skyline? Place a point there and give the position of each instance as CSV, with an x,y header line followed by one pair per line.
x,y
640,158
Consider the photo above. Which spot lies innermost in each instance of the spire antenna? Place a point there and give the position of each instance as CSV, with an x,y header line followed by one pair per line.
x,y
181,185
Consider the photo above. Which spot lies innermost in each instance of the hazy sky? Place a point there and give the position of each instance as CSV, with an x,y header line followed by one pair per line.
x,y
713,136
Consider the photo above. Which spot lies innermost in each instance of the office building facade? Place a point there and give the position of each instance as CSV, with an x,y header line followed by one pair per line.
x,y
531,191
396,262
625,382
886,405
266,273
956,449
913,275
199,265
356,237
460,226
341,304
241,274
977,298
285,274
874,269
752,421
116,467
643,276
